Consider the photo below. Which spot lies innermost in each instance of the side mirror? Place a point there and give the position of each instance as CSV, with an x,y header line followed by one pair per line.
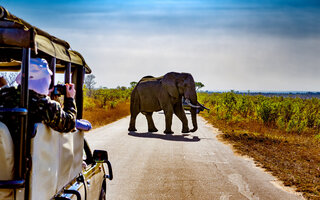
x,y
100,156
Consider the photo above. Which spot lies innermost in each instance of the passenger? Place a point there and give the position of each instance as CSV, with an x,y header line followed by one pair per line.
x,y
41,107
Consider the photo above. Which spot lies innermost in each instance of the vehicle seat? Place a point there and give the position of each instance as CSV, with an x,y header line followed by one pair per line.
x,y
6,160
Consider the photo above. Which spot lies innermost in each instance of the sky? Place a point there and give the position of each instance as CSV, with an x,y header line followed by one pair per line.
x,y
257,45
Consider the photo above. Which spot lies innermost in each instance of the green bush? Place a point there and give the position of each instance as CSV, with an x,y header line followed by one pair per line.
x,y
286,113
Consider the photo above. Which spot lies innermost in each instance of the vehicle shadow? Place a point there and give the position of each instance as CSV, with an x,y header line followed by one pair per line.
x,y
179,138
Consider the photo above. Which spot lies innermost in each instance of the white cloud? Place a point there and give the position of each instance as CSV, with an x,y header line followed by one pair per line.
x,y
222,61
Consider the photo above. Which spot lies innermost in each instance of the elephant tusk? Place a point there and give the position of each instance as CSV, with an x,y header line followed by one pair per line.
x,y
190,104
204,106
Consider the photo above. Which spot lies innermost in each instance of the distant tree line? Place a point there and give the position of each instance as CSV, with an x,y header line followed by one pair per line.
x,y
103,97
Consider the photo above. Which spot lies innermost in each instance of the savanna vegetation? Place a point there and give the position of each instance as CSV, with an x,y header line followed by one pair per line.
x,y
280,133
105,105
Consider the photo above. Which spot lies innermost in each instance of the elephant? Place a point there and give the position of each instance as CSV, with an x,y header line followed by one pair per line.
x,y
152,94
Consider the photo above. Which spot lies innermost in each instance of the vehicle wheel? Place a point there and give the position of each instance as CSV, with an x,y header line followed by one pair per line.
x,y
102,195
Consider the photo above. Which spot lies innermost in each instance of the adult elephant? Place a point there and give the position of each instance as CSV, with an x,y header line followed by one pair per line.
x,y
164,93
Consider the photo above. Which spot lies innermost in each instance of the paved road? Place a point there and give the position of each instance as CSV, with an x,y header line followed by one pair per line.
x,y
196,166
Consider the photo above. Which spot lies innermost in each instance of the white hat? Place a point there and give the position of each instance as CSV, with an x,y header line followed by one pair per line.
x,y
39,76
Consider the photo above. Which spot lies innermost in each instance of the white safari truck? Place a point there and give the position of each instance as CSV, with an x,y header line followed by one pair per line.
x,y
45,164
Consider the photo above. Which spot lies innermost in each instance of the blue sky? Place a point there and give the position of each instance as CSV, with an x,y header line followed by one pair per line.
x,y
225,44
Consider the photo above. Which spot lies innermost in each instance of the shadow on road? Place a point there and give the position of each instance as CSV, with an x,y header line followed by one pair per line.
x,y
179,138
187,112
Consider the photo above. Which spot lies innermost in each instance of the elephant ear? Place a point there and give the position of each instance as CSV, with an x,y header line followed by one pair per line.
x,y
169,83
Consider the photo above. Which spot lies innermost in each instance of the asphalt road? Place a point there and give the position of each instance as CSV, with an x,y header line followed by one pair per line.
x,y
195,166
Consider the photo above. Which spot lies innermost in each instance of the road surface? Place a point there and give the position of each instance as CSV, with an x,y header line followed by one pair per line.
x,y
195,166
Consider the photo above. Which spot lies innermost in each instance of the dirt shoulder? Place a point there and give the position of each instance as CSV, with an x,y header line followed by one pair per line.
x,y
293,159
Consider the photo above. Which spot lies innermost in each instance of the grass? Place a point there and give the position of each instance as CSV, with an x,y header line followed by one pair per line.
x,y
101,116
293,158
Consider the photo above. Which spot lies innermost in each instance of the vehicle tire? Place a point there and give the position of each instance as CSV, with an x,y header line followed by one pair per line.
x,y
102,195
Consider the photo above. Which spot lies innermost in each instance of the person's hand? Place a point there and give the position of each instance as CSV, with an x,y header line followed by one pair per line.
x,y
70,91
3,81
50,91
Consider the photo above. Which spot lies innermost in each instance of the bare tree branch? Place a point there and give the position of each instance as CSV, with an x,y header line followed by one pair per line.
x,y
89,82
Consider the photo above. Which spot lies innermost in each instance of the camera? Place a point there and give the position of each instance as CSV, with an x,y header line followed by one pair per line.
x,y
59,90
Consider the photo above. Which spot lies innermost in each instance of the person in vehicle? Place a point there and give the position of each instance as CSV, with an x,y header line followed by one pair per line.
x,y
41,107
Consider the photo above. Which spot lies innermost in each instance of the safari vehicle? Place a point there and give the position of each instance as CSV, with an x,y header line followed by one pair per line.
x,y
45,164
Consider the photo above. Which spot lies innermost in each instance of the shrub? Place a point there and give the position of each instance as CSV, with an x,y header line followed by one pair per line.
x,y
285,113
105,105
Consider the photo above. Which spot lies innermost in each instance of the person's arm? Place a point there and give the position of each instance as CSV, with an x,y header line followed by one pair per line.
x,y
62,120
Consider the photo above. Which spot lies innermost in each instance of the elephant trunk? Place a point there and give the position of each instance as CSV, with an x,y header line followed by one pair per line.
x,y
194,119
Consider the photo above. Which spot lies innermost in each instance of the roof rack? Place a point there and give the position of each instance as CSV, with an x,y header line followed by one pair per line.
x,y
17,33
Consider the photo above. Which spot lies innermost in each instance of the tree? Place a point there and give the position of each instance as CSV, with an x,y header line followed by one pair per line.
x,y
133,84
199,85
89,82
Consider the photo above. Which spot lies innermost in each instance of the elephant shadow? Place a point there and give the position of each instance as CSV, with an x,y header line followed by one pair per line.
x,y
178,138
187,113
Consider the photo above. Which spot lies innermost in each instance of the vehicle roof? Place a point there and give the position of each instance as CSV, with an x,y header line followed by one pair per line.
x,y
17,33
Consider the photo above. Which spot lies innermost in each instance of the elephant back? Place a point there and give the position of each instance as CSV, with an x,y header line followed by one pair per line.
x,y
150,78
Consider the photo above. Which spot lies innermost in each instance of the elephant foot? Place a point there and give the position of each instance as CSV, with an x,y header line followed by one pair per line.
x,y
185,131
168,132
153,130
132,129
194,130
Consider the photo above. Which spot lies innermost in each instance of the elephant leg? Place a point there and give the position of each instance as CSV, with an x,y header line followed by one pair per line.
x,y
151,126
179,112
132,125
134,110
168,116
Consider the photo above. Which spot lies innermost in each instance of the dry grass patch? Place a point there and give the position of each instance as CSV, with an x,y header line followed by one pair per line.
x,y
102,116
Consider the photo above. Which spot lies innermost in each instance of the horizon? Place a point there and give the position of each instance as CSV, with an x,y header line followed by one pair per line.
x,y
262,91
227,45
